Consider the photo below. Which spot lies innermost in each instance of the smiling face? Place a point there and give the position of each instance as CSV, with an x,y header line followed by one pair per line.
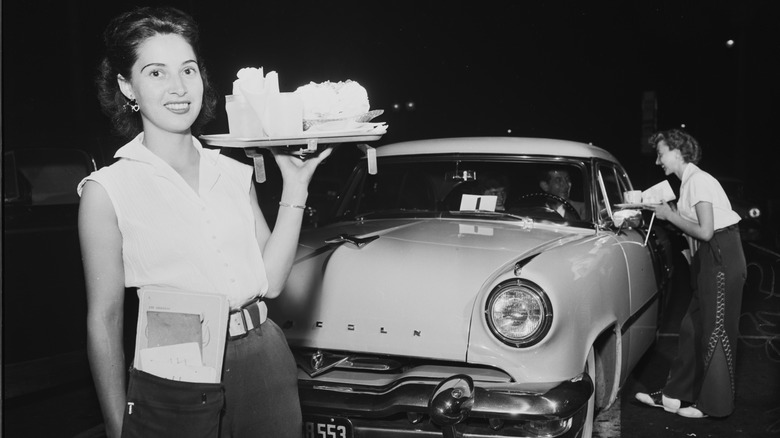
x,y
558,183
166,82
670,160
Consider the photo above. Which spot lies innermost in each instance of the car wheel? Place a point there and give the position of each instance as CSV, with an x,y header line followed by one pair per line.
x,y
590,368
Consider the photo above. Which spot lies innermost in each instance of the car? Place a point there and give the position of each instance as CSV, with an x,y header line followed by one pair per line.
x,y
423,309
44,298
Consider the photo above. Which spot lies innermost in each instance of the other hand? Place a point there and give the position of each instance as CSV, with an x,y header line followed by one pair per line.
x,y
663,211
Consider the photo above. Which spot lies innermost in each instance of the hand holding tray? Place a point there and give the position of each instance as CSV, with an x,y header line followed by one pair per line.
x,y
301,145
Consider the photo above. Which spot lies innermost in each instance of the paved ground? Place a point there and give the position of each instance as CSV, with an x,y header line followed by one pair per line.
x,y
72,411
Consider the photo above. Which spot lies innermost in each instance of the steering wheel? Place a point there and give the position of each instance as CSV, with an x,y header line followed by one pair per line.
x,y
543,196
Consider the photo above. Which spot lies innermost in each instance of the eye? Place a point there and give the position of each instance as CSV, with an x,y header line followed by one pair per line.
x,y
190,71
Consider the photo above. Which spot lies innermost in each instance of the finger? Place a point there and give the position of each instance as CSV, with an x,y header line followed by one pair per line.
x,y
325,153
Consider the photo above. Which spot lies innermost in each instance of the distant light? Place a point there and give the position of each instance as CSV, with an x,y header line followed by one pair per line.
x,y
682,125
508,131
410,106
396,107
754,212
729,43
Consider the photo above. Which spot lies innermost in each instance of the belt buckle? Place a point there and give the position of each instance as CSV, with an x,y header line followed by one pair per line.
x,y
240,322
237,325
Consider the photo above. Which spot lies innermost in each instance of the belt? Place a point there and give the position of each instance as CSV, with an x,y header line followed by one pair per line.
x,y
729,228
246,319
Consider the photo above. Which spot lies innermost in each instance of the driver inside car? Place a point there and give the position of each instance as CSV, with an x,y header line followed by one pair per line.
x,y
557,182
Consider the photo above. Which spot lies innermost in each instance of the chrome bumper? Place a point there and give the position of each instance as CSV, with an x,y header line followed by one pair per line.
x,y
415,397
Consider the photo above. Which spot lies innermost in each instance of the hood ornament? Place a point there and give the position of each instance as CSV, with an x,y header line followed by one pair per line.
x,y
359,242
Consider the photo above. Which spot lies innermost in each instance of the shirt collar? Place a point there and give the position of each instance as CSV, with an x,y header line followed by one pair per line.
x,y
689,170
135,150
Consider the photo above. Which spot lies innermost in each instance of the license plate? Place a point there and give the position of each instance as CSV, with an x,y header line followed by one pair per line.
x,y
321,426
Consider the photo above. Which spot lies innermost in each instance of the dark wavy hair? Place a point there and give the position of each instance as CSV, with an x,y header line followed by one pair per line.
x,y
122,37
678,139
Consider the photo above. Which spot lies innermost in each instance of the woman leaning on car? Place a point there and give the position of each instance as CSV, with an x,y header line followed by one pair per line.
x,y
701,377
170,213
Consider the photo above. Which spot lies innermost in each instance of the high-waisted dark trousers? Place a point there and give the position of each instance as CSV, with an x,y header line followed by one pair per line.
x,y
703,371
258,396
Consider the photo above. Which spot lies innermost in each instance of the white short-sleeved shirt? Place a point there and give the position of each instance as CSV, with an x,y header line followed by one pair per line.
x,y
699,186
173,237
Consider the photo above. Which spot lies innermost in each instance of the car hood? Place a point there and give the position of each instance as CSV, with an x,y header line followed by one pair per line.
x,y
410,291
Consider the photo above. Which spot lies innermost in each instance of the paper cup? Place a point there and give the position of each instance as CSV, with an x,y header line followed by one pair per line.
x,y
632,197
283,115
243,122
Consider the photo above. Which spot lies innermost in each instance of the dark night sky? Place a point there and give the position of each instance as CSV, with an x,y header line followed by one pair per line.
x,y
571,70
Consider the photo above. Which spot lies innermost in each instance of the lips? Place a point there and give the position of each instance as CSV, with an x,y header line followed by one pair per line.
x,y
178,107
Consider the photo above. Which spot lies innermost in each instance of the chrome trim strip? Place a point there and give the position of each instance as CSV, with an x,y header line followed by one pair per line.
x,y
330,398
633,318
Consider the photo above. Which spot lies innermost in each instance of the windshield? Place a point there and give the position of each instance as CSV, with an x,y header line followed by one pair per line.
x,y
545,190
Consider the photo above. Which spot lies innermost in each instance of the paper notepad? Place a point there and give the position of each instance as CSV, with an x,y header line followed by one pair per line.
x,y
661,192
181,335
178,362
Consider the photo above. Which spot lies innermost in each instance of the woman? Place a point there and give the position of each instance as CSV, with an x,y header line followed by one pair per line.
x,y
172,214
701,378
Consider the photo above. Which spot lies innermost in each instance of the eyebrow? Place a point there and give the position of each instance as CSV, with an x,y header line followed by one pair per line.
x,y
160,64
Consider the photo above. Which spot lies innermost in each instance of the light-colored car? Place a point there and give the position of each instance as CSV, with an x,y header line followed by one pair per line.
x,y
424,309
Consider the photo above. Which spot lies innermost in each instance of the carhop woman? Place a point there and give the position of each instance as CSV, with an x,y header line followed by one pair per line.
x,y
701,377
174,215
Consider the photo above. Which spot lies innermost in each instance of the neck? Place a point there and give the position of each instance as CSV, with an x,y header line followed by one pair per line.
x,y
681,170
174,148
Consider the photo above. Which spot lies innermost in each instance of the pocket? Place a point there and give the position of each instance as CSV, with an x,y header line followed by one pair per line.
x,y
158,407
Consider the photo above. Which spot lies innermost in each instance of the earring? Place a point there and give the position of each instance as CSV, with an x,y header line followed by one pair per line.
x,y
132,105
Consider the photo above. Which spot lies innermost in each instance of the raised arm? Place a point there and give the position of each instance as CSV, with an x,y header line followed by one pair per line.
x,y
101,249
280,245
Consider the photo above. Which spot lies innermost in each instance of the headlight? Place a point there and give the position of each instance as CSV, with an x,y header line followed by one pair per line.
x,y
519,313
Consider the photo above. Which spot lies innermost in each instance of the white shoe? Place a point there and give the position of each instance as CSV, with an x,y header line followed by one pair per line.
x,y
691,412
658,400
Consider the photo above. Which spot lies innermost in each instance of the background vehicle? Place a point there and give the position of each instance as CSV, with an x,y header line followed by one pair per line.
x,y
423,310
44,299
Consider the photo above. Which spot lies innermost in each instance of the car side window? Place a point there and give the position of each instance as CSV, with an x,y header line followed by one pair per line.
x,y
615,183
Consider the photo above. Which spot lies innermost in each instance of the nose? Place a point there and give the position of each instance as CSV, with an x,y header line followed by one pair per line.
x,y
176,86
658,161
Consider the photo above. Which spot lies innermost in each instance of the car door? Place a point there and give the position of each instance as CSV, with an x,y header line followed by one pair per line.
x,y
639,328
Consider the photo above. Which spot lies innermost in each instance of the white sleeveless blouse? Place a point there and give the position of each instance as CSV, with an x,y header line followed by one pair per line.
x,y
175,238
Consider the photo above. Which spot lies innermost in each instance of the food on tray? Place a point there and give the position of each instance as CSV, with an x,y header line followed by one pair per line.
x,y
257,109
333,100
253,80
